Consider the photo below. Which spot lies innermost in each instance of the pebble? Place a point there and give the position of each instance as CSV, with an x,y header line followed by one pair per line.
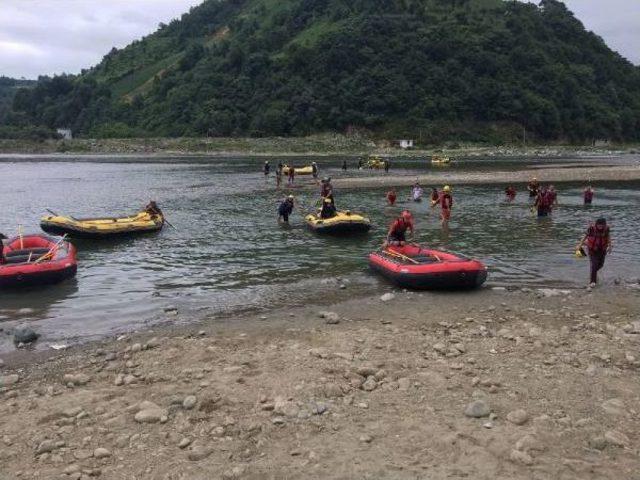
x,y
404,384
101,453
8,380
24,335
518,417
189,402
235,472
150,413
617,439
477,409
523,458
387,297
598,443
136,347
614,406
76,379
199,453
45,446
330,318
366,438
184,443
370,384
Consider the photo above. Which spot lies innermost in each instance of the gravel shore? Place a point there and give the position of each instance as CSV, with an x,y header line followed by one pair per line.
x,y
496,384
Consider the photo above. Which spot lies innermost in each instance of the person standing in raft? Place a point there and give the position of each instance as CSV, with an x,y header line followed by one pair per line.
x,y
392,196
328,209
344,165
446,204
588,195
533,187
326,189
510,193
285,209
397,234
599,243
292,175
266,169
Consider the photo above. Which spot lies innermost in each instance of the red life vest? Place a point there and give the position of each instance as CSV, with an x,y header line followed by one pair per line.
x,y
588,195
400,226
597,240
391,196
446,201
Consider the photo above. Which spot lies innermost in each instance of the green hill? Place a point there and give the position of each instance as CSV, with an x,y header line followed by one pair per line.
x,y
474,70
8,88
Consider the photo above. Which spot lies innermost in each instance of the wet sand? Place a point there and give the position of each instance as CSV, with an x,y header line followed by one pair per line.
x,y
490,384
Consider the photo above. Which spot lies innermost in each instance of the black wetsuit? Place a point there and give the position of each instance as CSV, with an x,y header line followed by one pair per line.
x,y
285,209
328,210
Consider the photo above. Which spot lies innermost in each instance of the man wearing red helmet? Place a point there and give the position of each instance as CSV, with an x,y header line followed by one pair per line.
x,y
397,234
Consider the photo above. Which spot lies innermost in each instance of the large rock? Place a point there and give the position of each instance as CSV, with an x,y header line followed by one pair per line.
x,y
477,409
24,335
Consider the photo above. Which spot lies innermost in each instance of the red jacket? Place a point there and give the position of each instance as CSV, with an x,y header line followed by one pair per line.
x,y
597,240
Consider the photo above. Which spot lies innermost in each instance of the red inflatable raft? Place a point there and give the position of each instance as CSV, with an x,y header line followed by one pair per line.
x,y
37,260
412,266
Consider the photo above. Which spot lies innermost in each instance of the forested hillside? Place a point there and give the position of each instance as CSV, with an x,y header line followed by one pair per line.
x,y
476,70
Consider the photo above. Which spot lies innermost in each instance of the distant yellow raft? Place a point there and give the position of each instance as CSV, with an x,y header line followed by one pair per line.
x,y
308,170
344,223
440,160
142,222
375,163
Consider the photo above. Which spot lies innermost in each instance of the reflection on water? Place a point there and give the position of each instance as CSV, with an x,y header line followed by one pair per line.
x,y
228,252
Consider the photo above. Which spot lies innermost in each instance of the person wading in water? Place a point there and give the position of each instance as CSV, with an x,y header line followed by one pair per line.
x,y
599,243
446,204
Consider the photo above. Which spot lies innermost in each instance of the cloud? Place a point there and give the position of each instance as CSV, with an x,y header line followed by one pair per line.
x,y
44,37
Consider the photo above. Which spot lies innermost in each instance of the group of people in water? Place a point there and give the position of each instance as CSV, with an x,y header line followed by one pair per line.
x,y
289,171
327,207
443,198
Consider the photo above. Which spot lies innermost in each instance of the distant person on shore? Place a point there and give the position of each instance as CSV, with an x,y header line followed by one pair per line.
x,y
344,165
279,174
397,234
599,243
543,202
392,196
533,187
445,200
328,209
588,195
387,165
285,209
2,238
267,168
510,193
292,175
360,163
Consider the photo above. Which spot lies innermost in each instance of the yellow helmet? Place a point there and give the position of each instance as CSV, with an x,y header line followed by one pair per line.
x,y
447,188
327,200
290,197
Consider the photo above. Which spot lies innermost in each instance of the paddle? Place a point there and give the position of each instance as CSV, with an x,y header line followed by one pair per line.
x,y
52,249
399,255
56,215
168,223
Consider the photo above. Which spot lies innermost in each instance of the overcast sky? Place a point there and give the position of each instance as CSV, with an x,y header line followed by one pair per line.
x,y
54,36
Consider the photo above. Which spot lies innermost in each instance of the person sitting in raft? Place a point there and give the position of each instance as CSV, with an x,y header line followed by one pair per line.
x,y
510,193
328,209
153,210
588,195
285,209
267,168
533,187
416,192
397,234
446,204
599,243
2,237
392,196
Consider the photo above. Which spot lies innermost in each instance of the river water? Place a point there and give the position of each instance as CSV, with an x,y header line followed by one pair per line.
x,y
228,254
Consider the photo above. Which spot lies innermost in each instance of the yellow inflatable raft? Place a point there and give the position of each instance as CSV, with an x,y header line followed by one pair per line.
x,y
308,170
143,222
344,223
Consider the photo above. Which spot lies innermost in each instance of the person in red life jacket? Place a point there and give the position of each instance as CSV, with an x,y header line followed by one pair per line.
x,y
588,195
533,187
292,175
543,202
397,234
599,243
392,196
553,197
2,237
445,200
434,196
510,193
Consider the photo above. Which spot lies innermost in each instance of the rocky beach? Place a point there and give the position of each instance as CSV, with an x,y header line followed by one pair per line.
x,y
500,383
